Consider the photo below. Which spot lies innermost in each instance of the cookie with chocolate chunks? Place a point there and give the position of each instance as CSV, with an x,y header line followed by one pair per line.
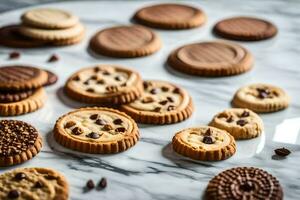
x,y
19,142
96,130
105,84
204,143
261,98
240,123
244,183
33,183
161,103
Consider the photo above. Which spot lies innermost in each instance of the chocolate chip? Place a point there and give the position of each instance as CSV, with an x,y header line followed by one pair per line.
x,y
118,121
247,186
208,132
97,69
77,131
164,89
38,184
263,93
120,129
14,55
90,90
94,116
245,114
53,58
106,73
107,127
154,91
170,99
93,135
13,194
94,77
86,82
102,183
164,102
157,109
207,140
241,122
69,124
123,84
229,119
118,78
176,91
90,184
146,84
170,107
76,78
147,100
100,122
20,176
101,81
282,152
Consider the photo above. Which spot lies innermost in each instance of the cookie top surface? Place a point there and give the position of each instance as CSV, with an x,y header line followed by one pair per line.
x,y
204,138
96,125
16,137
245,28
33,183
21,78
49,18
244,183
8,97
170,16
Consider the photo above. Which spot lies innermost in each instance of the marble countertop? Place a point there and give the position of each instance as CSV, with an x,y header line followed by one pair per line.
x,y
151,170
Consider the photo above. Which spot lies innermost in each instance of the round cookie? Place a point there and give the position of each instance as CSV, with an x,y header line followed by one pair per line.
x,y
17,77
204,143
244,183
245,29
52,78
104,84
49,18
125,41
19,142
211,59
170,16
240,123
30,104
96,130
8,97
261,98
33,183
161,103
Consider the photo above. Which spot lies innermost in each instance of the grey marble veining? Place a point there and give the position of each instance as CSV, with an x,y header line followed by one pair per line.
x,y
151,170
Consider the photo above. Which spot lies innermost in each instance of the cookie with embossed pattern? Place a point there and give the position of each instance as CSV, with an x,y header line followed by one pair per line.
x,y
96,130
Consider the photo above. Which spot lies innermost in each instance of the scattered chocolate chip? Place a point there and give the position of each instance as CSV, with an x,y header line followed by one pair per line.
x,y
94,77
53,58
157,109
282,152
170,107
77,131
207,140
100,122
118,78
69,124
120,129
170,99
123,84
208,132
245,114
229,119
97,69
147,100
38,184
101,81
86,82
164,102
118,121
176,90
241,122
14,55
94,116
107,127
263,93
154,91
102,183
20,176
90,184
247,186
13,194
106,73
164,89
76,78
93,135
146,84
90,90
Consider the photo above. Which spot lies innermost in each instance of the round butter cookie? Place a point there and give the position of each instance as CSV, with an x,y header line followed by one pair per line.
x,y
96,130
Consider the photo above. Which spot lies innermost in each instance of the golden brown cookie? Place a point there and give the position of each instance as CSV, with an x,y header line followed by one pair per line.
x,y
170,16
69,41
245,29
161,103
96,130
204,143
125,41
17,77
211,59
19,142
104,84
49,18
33,184
261,98
240,123
244,183
30,104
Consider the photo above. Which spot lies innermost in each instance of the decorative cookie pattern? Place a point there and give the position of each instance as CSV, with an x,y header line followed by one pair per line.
x,y
211,59
204,143
161,103
96,130
19,142
170,16
33,183
261,98
240,123
245,29
125,41
104,84
244,183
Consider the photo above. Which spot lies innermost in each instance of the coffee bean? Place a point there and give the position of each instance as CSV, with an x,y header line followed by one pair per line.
x,y
77,131
176,91
154,91
20,176
147,100
164,102
229,119
164,89
107,127
157,109
282,152
241,122
102,183
90,184
207,140
93,135
14,55
53,58
170,99
94,116
90,90
120,129
100,122
38,184
171,108
69,124
117,121
245,114
13,194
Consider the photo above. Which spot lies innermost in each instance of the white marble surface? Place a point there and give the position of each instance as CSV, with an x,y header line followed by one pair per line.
x,y
151,170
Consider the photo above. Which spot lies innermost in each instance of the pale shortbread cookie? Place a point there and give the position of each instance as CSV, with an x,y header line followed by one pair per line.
x,y
204,143
240,123
53,35
96,130
49,18
33,184
261,98
161,103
